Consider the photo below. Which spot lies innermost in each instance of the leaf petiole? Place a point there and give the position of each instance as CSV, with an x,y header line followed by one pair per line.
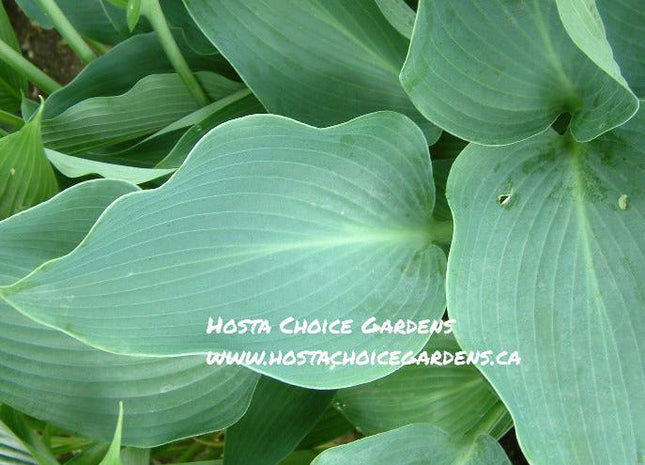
x,y
152,11
23,66
67,30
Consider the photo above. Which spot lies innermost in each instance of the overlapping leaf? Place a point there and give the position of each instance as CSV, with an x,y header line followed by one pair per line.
x,y
321,61
418,444
75,167
279,408
548,259
498,72
625,26
12,450
154,102
179,18
169,146
456,399
237,105
399,14
332,425
267,218
54,377
120,68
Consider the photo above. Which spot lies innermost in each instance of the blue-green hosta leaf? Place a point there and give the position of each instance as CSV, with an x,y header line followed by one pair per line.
x,y
548,259
120,68
276,407
77,387
154,102
11,83
12,449
418,444
456,399
75,167
26,177
625,24
320,61
497,72
399,14
267,218
582,22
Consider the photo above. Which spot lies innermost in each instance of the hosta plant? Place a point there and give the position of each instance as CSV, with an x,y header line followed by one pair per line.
x,y
459,185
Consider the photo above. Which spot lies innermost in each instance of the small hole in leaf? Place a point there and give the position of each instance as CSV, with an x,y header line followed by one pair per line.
x,y
504,200
622,202
562,123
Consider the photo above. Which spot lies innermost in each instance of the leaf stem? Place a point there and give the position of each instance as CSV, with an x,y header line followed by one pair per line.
x,y
152,11
67,30
23,66
11,119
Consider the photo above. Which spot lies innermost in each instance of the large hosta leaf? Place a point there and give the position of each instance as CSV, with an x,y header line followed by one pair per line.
x,y
418,444
320,61
51,376
276,406
267,218
496,72
26,177
457,399
549,259
625,24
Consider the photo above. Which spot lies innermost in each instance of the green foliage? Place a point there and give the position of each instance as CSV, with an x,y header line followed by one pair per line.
x,y
26,176
341,214
564,241
457,399
479,162
275,407
417,443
